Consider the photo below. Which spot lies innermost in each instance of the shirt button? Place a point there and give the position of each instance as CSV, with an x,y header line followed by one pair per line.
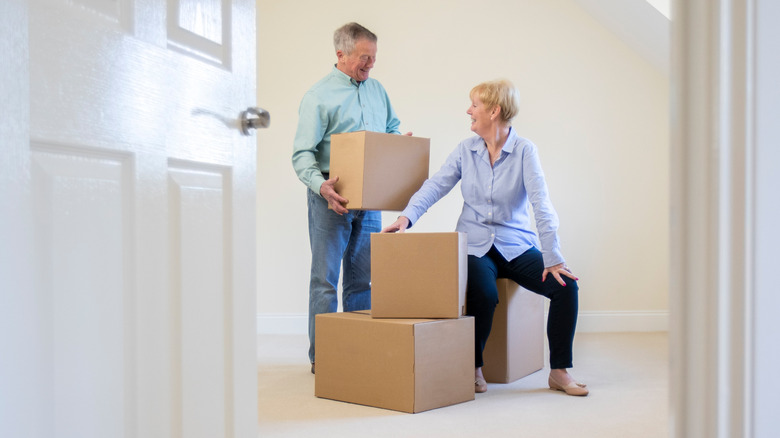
x,y
492,234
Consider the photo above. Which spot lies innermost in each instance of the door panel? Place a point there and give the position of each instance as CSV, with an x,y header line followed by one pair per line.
x,y
81,196
202,305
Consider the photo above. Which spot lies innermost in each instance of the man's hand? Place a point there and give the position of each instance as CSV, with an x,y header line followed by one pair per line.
x,y
335,201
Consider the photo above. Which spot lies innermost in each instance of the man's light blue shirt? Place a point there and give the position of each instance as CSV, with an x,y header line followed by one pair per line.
x,y
337,104
496,199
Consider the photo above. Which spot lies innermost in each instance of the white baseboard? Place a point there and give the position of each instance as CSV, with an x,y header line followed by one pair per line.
x,y
588,322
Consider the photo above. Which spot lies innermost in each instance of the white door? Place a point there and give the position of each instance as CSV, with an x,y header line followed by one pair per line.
x,y
127,242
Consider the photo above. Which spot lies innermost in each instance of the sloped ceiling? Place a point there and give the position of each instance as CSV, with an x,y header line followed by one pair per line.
x,y
637,23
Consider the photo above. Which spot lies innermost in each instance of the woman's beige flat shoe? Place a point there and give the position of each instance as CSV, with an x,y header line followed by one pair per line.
x,y
480,385
573,388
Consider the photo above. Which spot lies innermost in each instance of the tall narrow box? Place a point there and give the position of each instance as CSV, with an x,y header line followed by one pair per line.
x,y
515,347
378,171
418,275
408,365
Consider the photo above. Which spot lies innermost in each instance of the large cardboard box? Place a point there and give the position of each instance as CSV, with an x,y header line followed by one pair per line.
x,y
378,171
418,275
406,365
515,347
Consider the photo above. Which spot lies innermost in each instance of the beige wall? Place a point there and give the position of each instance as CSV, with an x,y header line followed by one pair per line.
x,y
597,111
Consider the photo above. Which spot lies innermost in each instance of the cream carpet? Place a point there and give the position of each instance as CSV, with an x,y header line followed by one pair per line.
x,y
627,374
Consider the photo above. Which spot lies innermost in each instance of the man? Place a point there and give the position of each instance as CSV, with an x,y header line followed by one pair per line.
x,y
345,100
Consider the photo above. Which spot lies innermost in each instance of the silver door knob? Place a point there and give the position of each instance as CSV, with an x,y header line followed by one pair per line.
x,y
262,119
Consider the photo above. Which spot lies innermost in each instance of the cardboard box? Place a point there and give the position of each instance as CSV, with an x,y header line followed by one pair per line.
x,y
378,171
515,347
405,365
418,275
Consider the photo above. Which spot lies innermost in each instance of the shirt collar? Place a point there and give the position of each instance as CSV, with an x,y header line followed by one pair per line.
x,y
343,77
511,141
509,145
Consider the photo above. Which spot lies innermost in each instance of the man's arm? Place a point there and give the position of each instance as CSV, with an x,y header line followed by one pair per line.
x,y
312,123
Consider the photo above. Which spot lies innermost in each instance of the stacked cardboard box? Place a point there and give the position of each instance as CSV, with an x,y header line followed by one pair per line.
x,y
408,365
419,354
418,275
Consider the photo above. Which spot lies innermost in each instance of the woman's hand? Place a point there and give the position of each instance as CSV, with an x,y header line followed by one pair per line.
x,y
557,271
400,225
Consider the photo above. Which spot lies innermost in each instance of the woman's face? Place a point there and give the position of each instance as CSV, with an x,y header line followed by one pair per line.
x,y
480,116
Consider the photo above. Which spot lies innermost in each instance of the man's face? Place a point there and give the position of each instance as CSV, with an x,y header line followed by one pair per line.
x,y
359,63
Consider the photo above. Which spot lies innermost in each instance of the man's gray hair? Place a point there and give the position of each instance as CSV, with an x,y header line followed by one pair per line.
x,y
346,36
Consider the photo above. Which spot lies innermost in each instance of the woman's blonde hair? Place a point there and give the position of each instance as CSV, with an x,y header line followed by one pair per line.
x,y
500,93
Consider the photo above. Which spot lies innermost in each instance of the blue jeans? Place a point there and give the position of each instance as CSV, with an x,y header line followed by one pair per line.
x,y
334,240
525,270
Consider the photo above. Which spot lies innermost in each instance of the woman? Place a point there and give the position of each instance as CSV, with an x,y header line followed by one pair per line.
x,y
500,174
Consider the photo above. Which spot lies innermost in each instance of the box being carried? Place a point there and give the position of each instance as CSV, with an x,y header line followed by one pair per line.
x,y
378,171
408,365
418,275
515,347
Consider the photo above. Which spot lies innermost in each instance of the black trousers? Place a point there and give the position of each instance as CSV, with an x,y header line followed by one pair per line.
x,y
526,270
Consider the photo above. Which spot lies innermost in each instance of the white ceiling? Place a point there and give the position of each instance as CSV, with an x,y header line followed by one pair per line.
x,y
641,25
663,6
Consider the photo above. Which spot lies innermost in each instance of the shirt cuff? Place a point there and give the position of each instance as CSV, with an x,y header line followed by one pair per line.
x,y
409,213
552,258
316,185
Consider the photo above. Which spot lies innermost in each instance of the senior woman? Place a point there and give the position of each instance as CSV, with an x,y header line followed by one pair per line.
x,y
500,174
